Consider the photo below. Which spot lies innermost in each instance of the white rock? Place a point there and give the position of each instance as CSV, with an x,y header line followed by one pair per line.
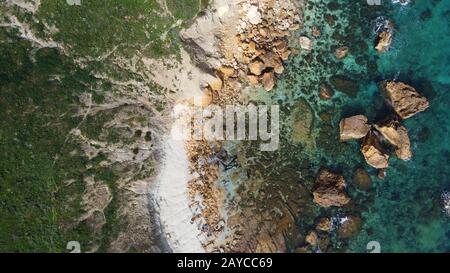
x,y
253,15
306,43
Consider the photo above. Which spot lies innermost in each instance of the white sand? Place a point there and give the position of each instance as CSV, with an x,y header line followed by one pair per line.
x,y
175,215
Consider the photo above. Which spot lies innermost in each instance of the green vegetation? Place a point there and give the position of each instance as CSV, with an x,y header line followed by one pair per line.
x,y
42,170
36,118
96,27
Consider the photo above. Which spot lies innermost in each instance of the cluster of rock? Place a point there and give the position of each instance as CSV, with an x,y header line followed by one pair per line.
x,y
319,238
262,34
406,102
329,191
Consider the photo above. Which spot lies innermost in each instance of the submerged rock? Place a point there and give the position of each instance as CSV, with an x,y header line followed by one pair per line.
x,y
345,85
325,92
341,52
405,100
349,227
374,154
330,190
361,179
397,135
355,127
303,117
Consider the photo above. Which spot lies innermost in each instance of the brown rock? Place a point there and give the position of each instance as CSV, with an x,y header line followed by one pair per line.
x,y
279,68
330,190
253,80
226,71
361,179
301,250
355,127
381,174
405,100
252,47
397,135
324,224
216,84
285,55
312,238
271,59
374,154
341,52
268,81
281,45
324,243
325,92
384,41
256,67
316,32
326,117
350,227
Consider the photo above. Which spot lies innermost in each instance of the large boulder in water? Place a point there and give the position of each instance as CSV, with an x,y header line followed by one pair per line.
x,y
374,153
330,190
355,127
397,135
405,100
385,33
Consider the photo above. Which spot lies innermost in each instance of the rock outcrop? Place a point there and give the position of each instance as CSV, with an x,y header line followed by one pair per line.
x,y
373,152
397,135
385,36
330,190
405,100
262,37
384,41
355,127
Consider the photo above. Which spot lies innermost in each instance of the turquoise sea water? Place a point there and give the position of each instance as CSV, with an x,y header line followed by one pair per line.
x,y
404,212
407,215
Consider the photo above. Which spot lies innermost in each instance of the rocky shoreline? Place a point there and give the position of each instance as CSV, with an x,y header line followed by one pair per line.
x,y
250,52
